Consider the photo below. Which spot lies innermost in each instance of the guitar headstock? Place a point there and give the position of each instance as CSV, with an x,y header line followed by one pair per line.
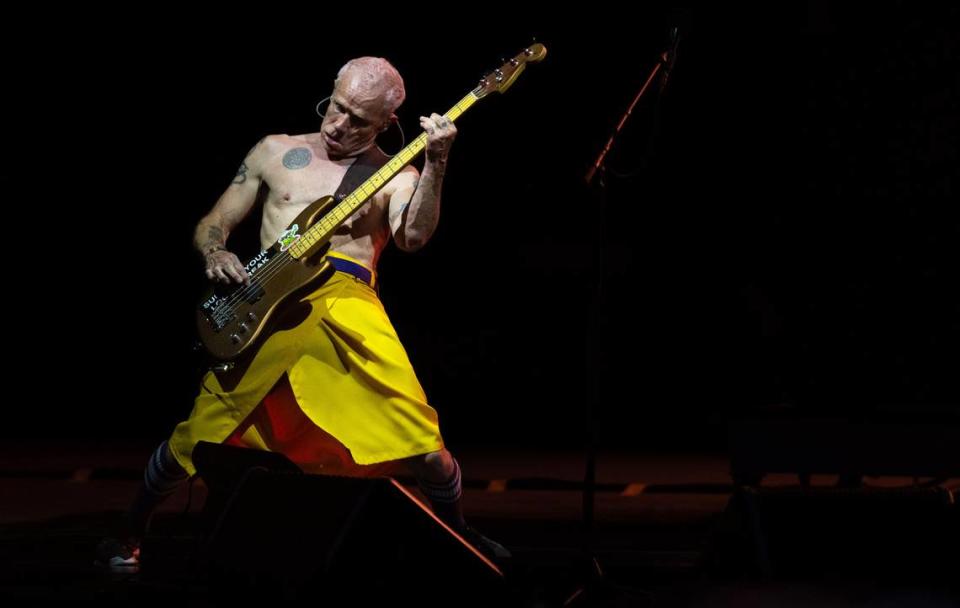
x,y
500,79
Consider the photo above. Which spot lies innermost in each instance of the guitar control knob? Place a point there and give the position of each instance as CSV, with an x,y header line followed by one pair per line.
x,y
235,338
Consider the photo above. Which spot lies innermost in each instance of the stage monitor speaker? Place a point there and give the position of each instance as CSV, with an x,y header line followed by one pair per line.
x,y
347,536
852,449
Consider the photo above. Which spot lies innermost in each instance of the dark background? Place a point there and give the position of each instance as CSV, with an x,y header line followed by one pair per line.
x,y
781,226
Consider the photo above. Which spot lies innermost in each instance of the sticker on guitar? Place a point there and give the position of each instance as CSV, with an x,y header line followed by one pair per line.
x,y
288,237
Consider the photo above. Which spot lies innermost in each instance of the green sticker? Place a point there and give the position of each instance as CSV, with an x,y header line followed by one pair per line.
x,y
289,237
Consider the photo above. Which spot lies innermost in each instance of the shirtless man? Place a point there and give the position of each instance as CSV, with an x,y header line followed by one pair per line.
x,y
299,169
370,410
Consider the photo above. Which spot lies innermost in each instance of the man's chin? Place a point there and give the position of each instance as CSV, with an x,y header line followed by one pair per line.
x,y
328,142
340,151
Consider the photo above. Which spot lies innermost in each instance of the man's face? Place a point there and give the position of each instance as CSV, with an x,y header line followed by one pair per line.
x,y
356,114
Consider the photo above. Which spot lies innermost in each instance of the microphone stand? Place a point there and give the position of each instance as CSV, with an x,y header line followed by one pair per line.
x,y
597,586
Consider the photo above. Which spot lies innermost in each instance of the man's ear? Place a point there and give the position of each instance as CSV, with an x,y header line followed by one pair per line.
x,y
393,118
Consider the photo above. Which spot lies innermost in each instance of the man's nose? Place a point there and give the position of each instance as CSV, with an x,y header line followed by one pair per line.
x,y
341,122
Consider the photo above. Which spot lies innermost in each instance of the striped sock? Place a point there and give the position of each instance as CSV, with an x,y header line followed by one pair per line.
x,y
161,478
163,474
445,498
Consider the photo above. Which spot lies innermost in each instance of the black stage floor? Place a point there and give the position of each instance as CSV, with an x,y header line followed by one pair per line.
x,y
665,534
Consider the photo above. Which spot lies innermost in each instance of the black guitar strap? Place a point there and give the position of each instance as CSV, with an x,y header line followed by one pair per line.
x,y
360,171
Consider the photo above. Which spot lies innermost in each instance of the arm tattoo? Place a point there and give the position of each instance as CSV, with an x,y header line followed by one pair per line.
x,y
241,174
403,207
400,211
215,239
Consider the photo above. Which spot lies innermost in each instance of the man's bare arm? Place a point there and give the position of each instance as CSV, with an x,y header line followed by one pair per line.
x,y
210,237
414,209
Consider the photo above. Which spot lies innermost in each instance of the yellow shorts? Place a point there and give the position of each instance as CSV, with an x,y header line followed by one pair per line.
x,y
350,376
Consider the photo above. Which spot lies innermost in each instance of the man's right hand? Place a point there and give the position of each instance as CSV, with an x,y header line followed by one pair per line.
x,y
225,267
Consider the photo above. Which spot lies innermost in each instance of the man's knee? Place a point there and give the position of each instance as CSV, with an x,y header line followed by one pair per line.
x,y
435,466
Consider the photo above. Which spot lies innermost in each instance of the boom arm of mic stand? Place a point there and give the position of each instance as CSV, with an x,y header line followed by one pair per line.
x,y
591,173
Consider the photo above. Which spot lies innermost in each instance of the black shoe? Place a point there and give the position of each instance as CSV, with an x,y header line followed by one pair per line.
x,y
493,550
118,556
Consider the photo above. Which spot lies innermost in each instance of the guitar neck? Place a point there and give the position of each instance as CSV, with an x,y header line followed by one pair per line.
x,y
320,232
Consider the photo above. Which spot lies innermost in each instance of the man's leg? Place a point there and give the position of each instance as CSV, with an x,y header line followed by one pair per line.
x,y
438,475
161,478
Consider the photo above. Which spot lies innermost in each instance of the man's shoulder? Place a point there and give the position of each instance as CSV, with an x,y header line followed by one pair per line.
x,y
272,146
279,141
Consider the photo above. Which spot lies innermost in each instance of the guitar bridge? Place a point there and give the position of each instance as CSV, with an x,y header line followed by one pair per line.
x,y
216,311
